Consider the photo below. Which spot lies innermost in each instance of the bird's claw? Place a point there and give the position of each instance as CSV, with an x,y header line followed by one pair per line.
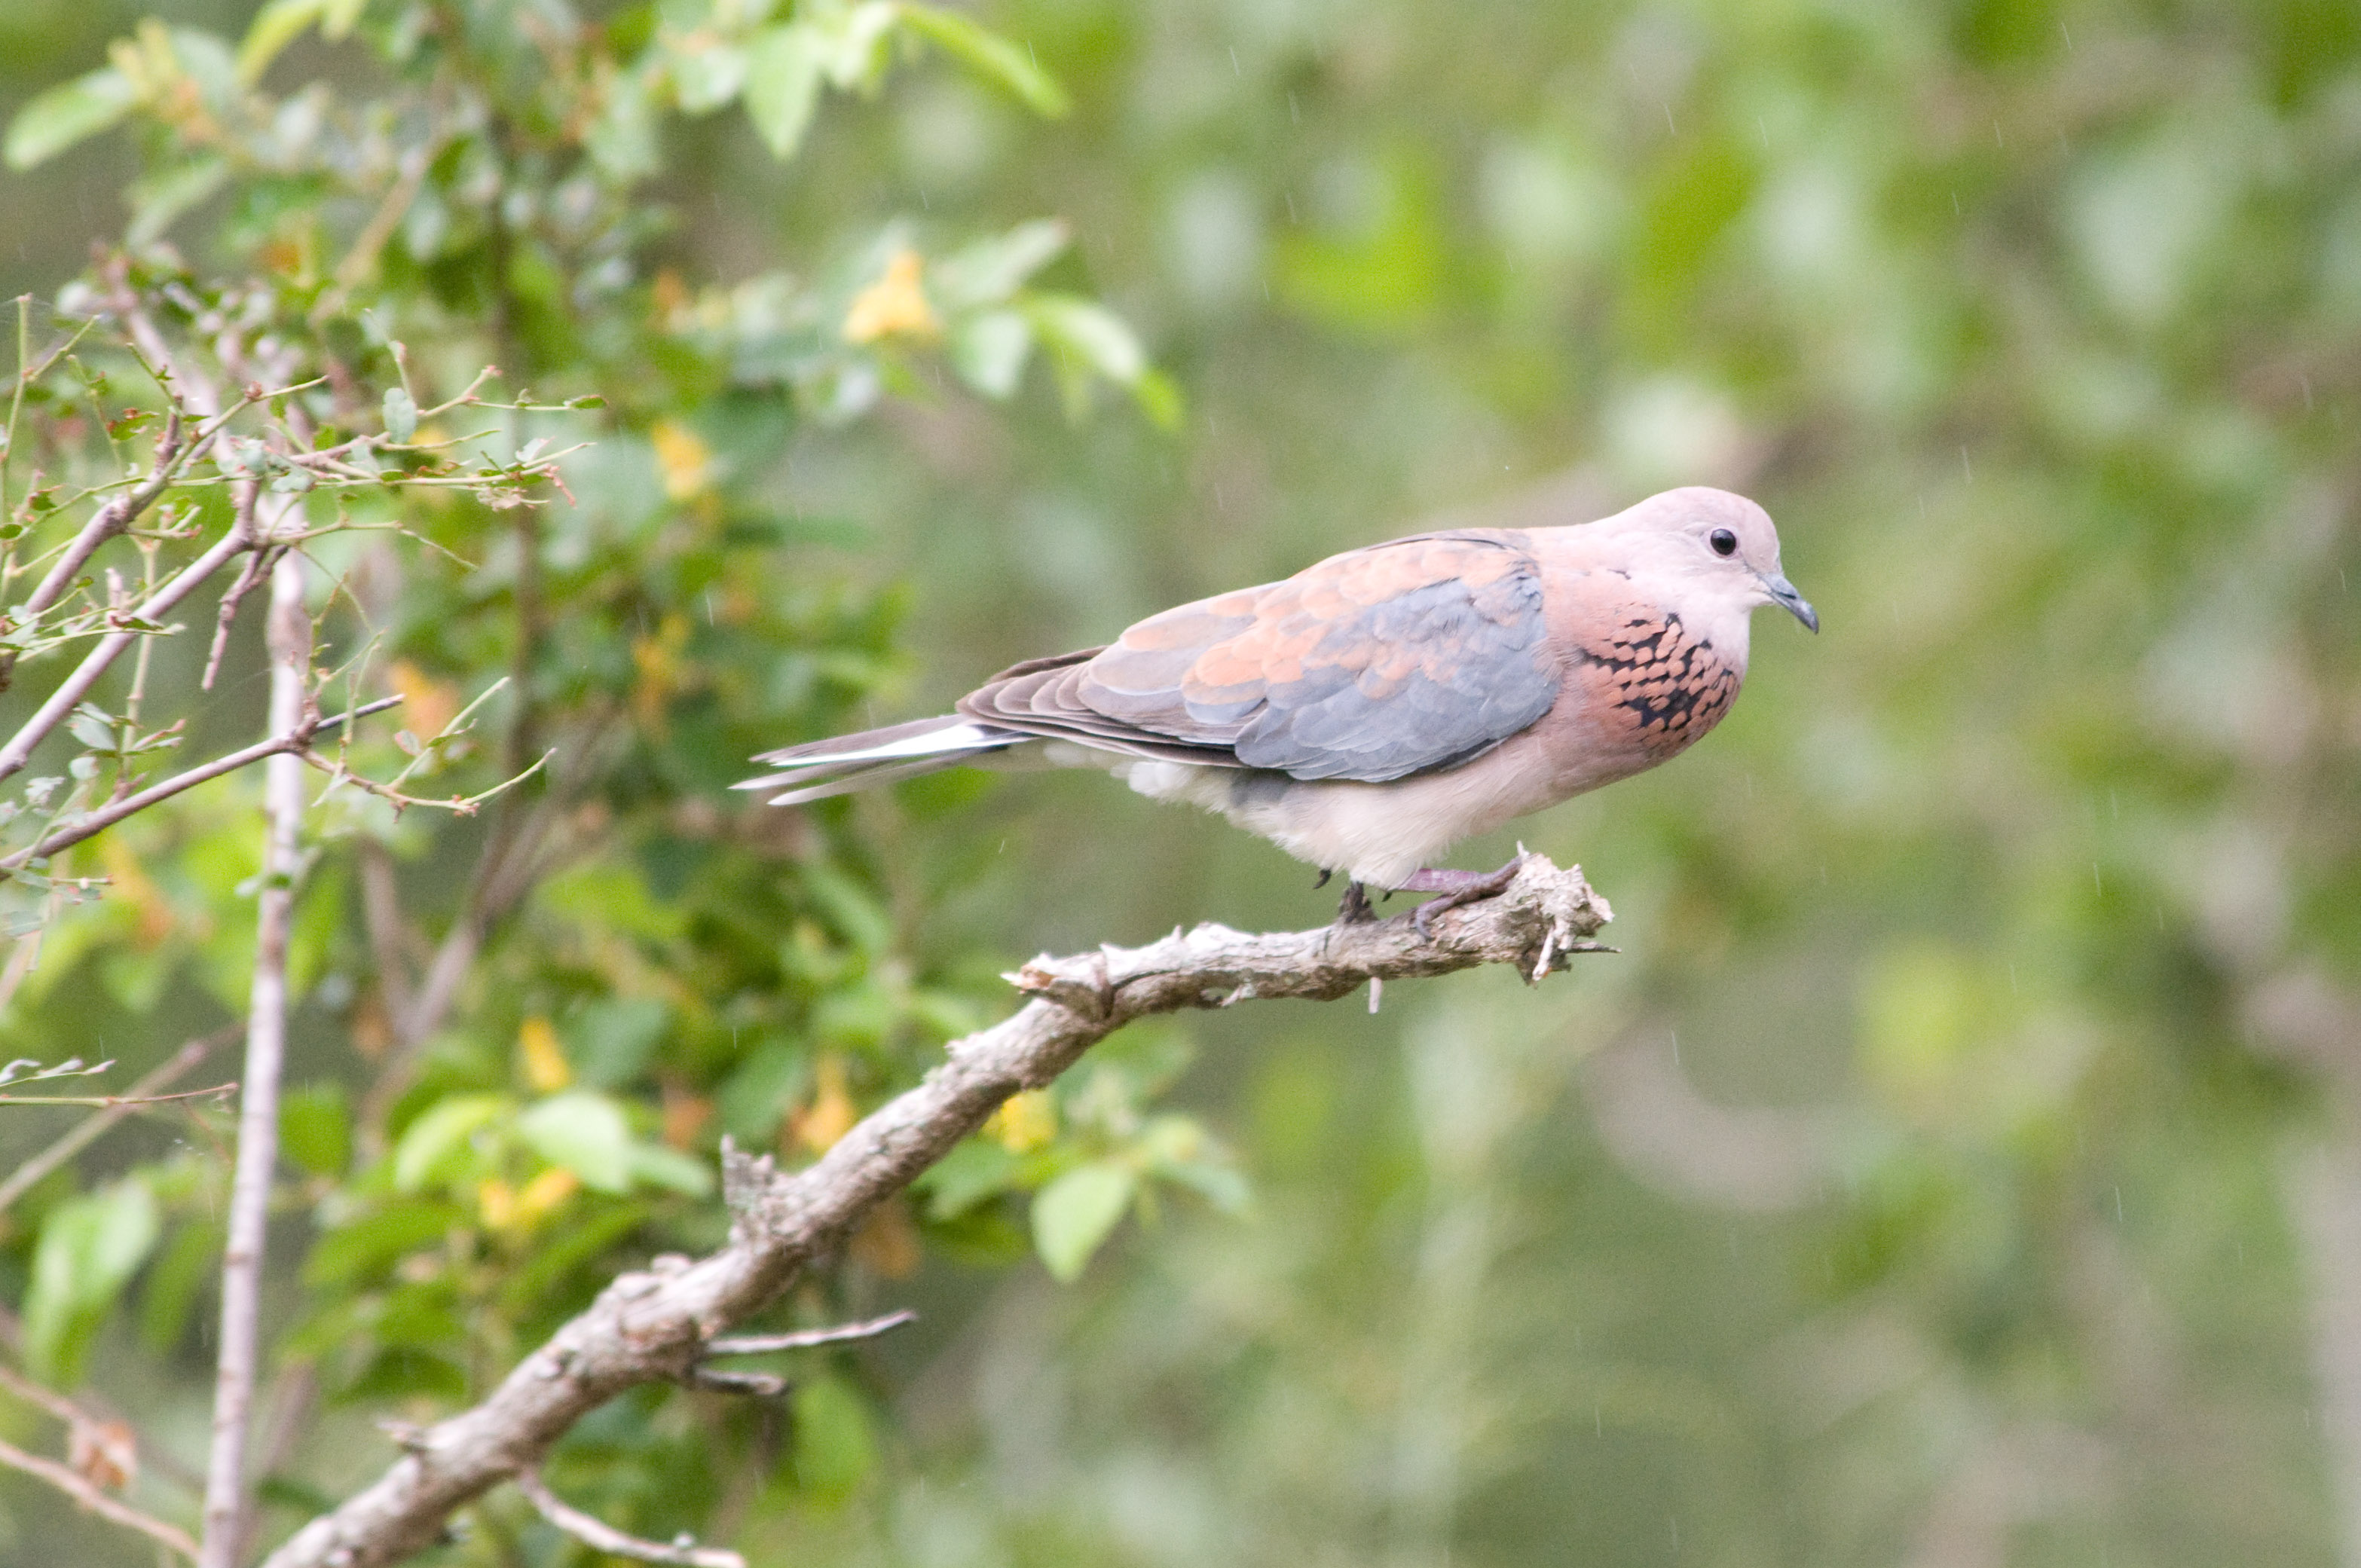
x,y
1355,910
1458,888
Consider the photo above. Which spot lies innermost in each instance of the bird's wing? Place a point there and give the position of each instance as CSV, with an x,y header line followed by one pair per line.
x,y
1374,664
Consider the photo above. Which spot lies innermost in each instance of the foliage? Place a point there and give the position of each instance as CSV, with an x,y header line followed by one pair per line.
x,y
524,1025
1921,1184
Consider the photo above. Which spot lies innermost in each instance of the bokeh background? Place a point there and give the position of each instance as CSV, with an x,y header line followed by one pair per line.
x,y
1960,1164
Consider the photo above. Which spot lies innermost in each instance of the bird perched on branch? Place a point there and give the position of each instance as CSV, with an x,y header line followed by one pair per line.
x,y
1370,711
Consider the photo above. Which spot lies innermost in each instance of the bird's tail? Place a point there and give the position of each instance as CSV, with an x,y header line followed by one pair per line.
x,y
818,769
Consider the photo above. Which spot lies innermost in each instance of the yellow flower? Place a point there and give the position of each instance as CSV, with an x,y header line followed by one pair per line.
x,y
545,1064
892,304
683,457
1024,1122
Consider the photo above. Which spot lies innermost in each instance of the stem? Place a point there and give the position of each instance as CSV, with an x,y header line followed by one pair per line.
x,y
290,636
77,685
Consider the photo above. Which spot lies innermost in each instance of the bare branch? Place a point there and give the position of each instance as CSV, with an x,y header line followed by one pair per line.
x,y
66,1479
805,1339
117,1101
601,1536
132,805
656,1326
290,637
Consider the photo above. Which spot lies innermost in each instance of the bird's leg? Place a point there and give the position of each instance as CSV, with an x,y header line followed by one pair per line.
x,y
1324,874
1457,887
1355,910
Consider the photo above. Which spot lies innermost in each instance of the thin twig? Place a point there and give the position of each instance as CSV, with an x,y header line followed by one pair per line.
x,y
100,658
805,1339
601,1536
113,812
290,636
655,1326
48,1398
69,1481
113,1102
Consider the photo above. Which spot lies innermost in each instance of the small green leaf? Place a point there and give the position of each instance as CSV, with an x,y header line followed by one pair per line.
x,y
653,1164
584,1132
783,77
352,1253
989,352
990,55
315,1128
274,27
66,114
400,415
834,1448
974,1171
1075,1214
90,1248
706,79
989,270
430,1140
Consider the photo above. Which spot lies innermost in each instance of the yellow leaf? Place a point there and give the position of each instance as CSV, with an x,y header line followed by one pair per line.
x,y
428,706
830,1114
545,1192
495,1203
1024,1122
544,1063
894,304
683,457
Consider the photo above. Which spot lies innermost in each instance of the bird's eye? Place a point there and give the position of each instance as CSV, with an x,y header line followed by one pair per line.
x,y
1724,543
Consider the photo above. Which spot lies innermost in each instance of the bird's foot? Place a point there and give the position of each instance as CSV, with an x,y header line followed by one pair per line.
x,y
1355,910
1457,887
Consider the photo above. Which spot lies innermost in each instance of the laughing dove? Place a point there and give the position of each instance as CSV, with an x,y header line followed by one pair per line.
x,y
1374,710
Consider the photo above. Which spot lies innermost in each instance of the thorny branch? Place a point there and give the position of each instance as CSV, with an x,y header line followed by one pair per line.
x,y
657,1325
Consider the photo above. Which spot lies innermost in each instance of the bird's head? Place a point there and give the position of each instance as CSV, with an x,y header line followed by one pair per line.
x,y
1723,542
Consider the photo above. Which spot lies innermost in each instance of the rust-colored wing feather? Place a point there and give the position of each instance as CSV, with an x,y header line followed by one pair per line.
x,y
1398,659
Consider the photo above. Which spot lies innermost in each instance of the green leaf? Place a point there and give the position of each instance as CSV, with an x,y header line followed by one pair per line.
x,y
90,1248
94,728
834,1448
991,55
583,1132
274,27
158,201
706,79
974,1171
1075,1214
315,1128
67,113
1087,337
428,1142
354,1252
400,415
989,352
989,270
654,1165
171,1293
783,77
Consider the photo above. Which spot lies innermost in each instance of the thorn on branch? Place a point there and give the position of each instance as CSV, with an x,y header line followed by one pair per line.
x,y
601,1536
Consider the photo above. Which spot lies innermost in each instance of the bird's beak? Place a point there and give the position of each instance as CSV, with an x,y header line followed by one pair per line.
x,y
1783,594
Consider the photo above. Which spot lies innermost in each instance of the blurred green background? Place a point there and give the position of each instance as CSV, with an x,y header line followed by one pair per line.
x,y
1960,1164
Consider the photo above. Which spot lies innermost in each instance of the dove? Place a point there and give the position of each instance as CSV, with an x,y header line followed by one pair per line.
x,y
1377,708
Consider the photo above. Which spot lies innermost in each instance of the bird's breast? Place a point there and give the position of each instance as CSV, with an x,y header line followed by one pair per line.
x,y
1642,686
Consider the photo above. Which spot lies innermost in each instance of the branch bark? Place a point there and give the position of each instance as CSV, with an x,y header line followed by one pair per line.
x,y
656,1325
290,639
